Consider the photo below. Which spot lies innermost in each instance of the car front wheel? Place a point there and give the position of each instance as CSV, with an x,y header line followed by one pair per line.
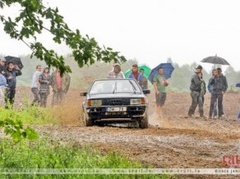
x,y
143,123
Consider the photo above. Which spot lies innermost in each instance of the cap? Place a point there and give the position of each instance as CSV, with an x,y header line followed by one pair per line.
x,y
116,64
199,67
3,59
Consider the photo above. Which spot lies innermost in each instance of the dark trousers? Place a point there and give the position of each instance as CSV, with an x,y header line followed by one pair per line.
x,y
10,95
43,98
216,98
36,99
195,101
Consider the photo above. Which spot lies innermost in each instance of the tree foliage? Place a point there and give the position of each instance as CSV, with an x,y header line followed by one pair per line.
x,y
34,18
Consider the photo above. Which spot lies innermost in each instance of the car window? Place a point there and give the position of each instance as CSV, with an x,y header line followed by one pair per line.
x,y
114,86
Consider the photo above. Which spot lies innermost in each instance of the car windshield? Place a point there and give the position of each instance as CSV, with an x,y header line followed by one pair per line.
x,y
115,86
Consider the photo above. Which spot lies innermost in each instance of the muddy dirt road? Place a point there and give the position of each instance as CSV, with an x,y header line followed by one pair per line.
x,y
174,141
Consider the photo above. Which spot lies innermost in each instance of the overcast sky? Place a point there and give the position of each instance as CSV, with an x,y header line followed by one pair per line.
x,y
151,30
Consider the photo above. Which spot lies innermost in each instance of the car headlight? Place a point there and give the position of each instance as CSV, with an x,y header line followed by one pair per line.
x,y
138,101
94,102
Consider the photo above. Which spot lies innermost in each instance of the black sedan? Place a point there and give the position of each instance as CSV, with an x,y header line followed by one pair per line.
x,y
115,101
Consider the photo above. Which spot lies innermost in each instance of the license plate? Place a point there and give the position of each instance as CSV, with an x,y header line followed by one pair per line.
x,y
116,109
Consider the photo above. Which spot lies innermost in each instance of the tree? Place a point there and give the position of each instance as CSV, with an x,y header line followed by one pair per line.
x,y
34,18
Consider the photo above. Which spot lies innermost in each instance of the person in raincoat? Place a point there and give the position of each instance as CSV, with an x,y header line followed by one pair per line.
x,y
44,91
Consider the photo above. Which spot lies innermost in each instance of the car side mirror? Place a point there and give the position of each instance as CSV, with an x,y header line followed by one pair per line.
x,y
83,94
146,91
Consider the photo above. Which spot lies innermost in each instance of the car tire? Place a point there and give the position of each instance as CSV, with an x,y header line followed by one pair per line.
x,y
86,120
143,123
89,122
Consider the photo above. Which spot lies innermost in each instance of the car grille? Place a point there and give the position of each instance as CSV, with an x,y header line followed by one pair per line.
x,y
116,101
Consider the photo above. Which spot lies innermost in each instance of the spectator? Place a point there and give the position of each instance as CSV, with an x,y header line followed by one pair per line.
x,y
201,96
3,84
220,85
60,85
160,84
116,72
44,80
11,74
35,85
135,74
3,66
196,90
144,82
210,89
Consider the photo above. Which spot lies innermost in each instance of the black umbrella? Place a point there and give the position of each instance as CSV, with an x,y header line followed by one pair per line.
x,y
15,60
215,60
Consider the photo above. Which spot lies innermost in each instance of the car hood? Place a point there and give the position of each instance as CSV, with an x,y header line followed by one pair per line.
x,y
115,95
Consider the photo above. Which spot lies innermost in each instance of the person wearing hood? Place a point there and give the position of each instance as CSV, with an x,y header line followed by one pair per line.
x,y
220,86
11,76
44,80
196,88
116,72
136,74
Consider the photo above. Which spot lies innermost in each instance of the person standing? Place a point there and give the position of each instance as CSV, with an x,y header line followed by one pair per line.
x,y
160,83
35,85
220,86
60,85
3,66
210,89
196,87
116,72
135,74
144,82
44,81
201,96
11,76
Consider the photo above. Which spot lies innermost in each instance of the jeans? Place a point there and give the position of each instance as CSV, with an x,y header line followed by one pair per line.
x,y
36,96
195,101
216,98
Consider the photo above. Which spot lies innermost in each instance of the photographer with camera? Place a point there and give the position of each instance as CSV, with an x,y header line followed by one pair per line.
x,y
220,85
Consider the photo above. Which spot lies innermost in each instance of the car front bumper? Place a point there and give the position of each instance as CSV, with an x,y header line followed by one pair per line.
x,y
105,112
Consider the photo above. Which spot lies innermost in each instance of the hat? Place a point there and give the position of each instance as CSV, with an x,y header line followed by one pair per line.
x,y
199,67
116,64
3,59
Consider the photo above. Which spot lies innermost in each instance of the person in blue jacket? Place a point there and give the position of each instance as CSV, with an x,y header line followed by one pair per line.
x,y
210,89
11,76
135,74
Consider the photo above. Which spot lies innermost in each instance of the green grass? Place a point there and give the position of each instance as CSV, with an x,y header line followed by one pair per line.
x,y
48,154
52,155
29,115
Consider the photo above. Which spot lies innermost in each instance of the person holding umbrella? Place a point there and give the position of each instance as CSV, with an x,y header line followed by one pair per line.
x,y
160,83
210,89
11,75
196,91
220,86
